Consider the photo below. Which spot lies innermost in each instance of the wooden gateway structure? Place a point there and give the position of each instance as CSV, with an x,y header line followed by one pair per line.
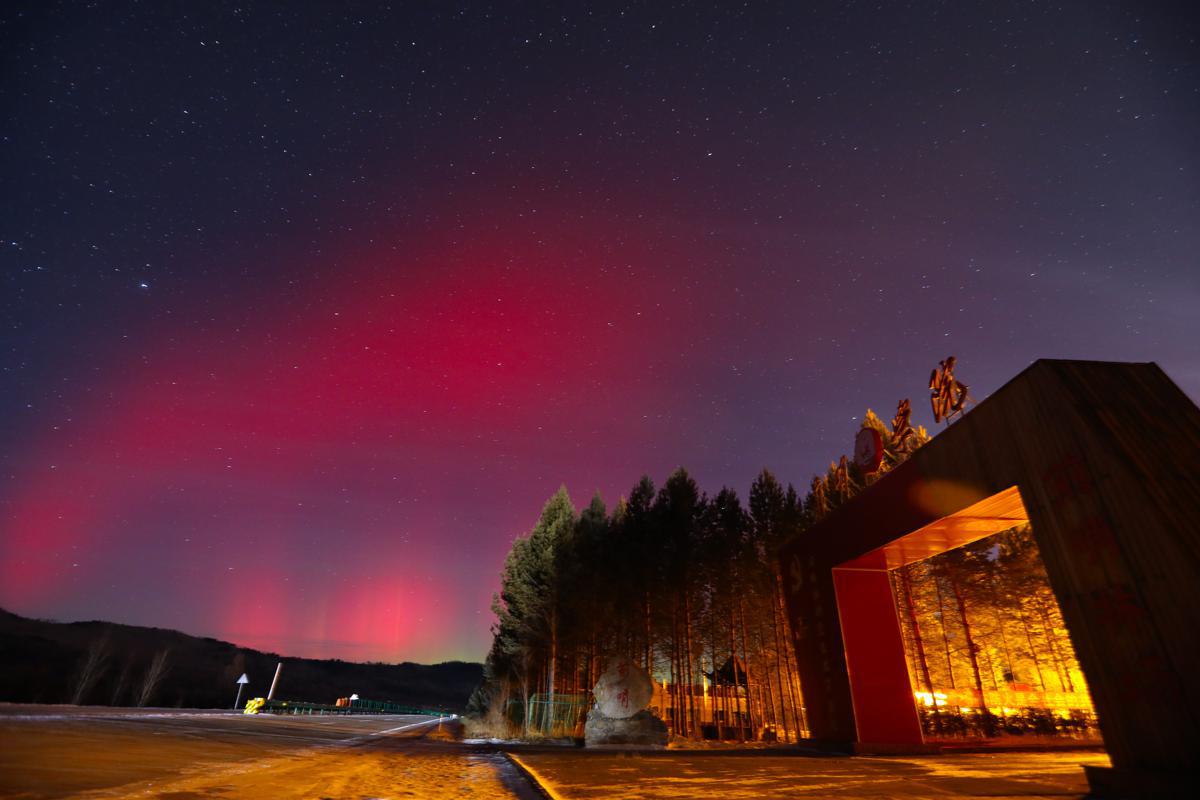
x,y
1103,460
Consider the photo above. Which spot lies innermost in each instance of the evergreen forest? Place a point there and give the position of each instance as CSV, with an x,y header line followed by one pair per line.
x,y
687,584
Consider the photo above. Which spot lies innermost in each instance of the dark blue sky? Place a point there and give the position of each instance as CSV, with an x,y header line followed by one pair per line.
x,y
307,308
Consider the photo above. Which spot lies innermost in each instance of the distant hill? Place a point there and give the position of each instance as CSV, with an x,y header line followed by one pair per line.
x,y
46,662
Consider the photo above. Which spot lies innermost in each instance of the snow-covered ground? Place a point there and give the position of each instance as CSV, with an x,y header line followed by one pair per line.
x,y
93,754
753,776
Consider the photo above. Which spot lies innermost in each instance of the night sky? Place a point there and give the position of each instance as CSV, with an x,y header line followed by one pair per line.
x,y
307,308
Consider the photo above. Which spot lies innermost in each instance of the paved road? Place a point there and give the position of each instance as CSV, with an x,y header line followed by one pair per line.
x,y
757,776
96,753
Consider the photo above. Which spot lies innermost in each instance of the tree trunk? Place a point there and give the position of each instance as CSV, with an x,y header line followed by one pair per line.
x,y
785,635
1037,664
766,703
525,695
989,725
121,681
154,675
649,634
592,667
776,711
1064,670
768,694
991,667
937,586
1011,675
548,720
746,665
677,668
733,660
93,666
919,644
687,639
717,698
779,671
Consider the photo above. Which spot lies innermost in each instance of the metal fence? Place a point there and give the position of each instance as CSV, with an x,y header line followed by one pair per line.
x,y
260,706
562,717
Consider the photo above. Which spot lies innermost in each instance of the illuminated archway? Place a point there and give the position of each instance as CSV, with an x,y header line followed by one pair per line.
x,y
1101,458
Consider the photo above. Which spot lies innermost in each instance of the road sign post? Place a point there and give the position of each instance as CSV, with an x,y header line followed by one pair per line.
x,y
241,682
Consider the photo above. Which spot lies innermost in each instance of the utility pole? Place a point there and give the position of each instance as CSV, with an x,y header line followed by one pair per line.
x,y
275,681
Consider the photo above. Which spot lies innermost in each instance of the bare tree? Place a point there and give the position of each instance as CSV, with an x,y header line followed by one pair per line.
x,y
91,668
122,680
154,676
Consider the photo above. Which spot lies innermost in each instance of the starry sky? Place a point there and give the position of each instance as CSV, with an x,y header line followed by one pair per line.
x,y
307,308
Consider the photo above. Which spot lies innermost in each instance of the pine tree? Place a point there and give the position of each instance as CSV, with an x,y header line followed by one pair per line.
x,y
769,516
679,509
528,606
588,570
959,567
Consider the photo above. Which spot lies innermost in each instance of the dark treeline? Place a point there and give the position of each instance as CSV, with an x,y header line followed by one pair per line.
x,y
674,580
104,663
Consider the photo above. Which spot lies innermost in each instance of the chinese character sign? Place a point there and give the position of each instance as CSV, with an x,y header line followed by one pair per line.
x,y
623,690
946,395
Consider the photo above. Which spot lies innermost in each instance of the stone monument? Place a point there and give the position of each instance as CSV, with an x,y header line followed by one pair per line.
x,y
619,717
